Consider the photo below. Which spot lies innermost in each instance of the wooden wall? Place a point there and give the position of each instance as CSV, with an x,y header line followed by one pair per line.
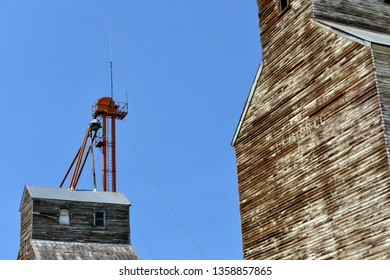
x,y
312,166
381,55
81,228
40,221
26,228
367,14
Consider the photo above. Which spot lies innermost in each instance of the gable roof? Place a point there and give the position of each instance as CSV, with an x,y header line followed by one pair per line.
x,y
247,103
38,192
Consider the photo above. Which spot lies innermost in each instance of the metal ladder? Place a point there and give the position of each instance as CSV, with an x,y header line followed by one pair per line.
x,y
109,154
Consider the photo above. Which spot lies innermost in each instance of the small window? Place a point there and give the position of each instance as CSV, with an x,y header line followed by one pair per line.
x,y
283,5
100,219
64,217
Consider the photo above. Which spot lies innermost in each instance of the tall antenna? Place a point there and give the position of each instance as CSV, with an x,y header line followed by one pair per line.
x,y
112,83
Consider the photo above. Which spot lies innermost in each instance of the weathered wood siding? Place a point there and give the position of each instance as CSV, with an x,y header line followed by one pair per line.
x,y
312,166
368,14
81,228
381,55
26,215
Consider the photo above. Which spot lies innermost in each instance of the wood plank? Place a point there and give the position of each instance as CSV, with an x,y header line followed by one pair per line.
x,y
312,165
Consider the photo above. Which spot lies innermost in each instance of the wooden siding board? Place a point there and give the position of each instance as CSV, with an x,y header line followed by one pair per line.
x,y
381,56
46,225
311,158
26,214
47,239
371,15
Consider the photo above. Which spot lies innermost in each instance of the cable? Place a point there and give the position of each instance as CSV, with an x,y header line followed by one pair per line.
x,y
142,236
162,194
86,186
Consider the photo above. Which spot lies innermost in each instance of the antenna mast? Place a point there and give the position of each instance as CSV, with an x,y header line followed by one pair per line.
x,y
112,82
104,113
108,111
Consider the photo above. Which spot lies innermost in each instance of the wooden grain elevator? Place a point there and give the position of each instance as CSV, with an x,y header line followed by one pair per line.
x,y
59,224
313,141
72,224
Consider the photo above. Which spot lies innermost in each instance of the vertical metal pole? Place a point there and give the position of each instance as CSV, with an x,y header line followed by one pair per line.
x,y
90,149
112,82
104,169
93,163
82,166
113,139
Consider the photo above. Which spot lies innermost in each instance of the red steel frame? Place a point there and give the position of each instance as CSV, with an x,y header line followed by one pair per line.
x,y
107,108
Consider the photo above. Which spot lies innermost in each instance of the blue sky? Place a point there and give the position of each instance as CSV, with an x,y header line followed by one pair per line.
x,y
187,67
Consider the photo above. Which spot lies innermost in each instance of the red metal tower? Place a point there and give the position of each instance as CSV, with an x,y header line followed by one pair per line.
x,y
105,112
108,111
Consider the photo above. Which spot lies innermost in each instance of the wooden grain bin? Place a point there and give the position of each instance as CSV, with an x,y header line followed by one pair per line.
x,y
58,224
313,142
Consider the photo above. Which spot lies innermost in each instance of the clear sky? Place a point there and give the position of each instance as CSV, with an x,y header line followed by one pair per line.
x,y
187,68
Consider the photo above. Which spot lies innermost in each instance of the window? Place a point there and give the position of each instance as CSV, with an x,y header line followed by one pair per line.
x,y
64,217
283,5
100,219
387,1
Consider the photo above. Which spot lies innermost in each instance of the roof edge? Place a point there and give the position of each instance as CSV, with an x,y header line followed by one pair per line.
x,y
247,103
362,36
55,193
25,191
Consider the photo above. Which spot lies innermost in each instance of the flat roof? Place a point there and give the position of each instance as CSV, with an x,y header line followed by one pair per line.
x,y
39,192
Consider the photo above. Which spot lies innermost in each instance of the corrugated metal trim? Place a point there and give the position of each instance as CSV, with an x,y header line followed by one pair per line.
x,y
38,192
362,34
247,103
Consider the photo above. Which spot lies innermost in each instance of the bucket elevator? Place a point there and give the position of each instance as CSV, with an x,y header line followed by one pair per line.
x,y
104,113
